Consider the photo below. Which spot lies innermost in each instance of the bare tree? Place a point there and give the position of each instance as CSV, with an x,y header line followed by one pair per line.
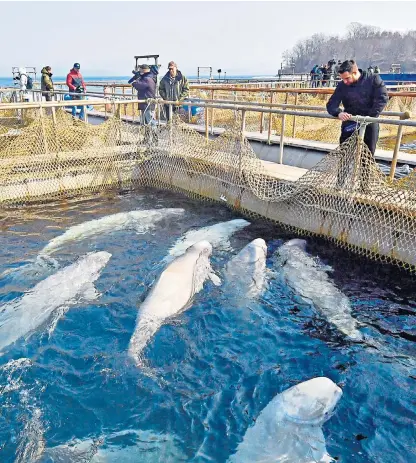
x,y
368,45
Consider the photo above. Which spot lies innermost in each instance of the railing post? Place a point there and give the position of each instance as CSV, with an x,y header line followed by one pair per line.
x,y
294,117
360,140
85,118
270,120
45,141
396,152
206,123
212,114
282,135
243,121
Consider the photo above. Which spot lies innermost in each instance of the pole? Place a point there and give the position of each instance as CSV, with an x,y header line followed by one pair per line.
x,y
282,135
269,133
294,117
396,152
243,121
206,123
212,114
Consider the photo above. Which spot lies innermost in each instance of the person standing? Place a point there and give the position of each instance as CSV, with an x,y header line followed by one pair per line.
x,y
173,87
361,94
46,83
146,88
76,85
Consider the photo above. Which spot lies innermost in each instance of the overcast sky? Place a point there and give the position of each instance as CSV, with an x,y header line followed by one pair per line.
x,y
239,37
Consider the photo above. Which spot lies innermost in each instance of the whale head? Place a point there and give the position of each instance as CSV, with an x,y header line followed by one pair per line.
x,y
97,260
236,224
301,244
310,402
202,247
259,244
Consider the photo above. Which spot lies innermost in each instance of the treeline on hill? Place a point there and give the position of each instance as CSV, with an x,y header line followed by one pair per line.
x,y
368,45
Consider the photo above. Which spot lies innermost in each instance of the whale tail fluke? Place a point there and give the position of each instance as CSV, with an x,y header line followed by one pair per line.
x,y
141,337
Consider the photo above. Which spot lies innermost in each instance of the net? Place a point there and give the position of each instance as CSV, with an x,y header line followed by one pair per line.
x,y
345,197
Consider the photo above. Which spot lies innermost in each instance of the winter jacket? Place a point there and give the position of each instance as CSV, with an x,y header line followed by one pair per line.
x,y
74,79
46,83
366,97
174,90
146,88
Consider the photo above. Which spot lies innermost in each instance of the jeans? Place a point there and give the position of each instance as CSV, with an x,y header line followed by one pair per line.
x,y
370,139
74,111
147,116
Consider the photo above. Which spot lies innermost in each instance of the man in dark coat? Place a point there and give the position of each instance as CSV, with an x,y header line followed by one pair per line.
x,y
146,88
361,95
173,87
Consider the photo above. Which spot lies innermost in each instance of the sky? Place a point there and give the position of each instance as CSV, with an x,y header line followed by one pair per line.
x,y
241,38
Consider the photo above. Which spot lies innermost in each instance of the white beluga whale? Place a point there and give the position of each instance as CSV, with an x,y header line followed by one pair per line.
x,y
247,270
289,428
144,447
141,221
56,293
172,293
309,279
218,235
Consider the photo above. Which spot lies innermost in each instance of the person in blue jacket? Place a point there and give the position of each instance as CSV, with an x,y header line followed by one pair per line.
x,y
146,88
361,94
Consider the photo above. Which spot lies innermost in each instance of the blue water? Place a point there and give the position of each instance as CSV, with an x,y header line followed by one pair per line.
x,y
8,81
213,368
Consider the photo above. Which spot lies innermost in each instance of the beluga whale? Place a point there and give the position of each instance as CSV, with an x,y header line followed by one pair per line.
x,y
218,235
140,221
247,270
289,428
172,293
309,279
56,293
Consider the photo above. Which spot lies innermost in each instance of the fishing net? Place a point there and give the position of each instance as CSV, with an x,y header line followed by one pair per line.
x,y
345,197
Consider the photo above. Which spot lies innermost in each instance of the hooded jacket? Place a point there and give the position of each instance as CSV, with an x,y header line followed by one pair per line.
x,y
74,79
174,90
146,88
366,97
46,83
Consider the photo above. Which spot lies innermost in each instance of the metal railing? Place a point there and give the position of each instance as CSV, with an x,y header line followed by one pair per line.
x,y
220,105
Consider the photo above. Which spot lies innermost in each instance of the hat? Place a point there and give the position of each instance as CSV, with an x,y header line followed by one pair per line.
x,y
77,65
172,63
144,67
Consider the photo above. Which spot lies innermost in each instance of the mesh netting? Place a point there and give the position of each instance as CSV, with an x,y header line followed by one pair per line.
x,y
345,197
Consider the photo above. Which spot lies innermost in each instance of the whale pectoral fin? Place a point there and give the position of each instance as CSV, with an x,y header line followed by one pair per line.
x,y
90,293
215,279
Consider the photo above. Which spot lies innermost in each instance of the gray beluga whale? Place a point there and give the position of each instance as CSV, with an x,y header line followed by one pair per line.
x,y
141,221
56,292
307,278
247,269
218,235
172,292
289,428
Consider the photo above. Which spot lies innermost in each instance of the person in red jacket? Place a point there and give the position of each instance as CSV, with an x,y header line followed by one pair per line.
x,y
76,84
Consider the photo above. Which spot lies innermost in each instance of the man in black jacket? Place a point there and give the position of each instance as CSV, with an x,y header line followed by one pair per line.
x,y
361,95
